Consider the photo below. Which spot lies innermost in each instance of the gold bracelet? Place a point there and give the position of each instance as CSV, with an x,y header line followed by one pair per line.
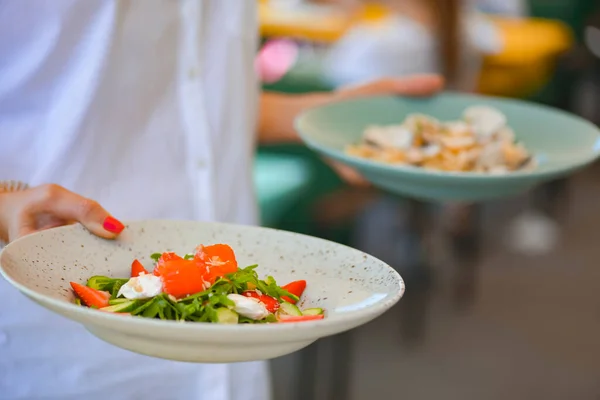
x,y
12,186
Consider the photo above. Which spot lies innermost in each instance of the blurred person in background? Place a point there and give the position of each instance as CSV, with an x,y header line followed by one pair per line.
x,y
419,36
151,108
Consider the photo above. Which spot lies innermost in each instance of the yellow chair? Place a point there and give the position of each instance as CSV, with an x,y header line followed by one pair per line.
x,y
310,23
526,64
531,49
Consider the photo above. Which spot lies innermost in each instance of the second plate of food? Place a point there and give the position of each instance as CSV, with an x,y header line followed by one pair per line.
x,y
452,147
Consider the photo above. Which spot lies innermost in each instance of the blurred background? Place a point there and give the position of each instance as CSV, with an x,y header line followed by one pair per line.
x,y
502,298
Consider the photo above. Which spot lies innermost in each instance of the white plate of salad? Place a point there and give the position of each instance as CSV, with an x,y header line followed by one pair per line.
x,y
202,292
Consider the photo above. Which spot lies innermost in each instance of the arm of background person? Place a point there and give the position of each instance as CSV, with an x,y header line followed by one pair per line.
x,y
278,111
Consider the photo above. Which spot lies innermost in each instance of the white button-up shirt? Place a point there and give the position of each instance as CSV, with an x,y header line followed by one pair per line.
x,y
150,108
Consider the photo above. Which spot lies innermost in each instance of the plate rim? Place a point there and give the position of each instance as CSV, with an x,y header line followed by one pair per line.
x,y
301,123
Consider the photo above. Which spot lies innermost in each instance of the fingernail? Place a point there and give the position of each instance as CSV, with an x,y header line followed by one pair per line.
x,y
113,225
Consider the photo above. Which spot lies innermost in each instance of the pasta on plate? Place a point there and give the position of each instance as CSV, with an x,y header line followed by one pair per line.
x,y
480,142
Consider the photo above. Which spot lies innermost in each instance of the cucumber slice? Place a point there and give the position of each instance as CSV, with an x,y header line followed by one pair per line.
x,y
313,311
126,306
226,316
156,308
143,306
114,291
289,309
98,282
112,302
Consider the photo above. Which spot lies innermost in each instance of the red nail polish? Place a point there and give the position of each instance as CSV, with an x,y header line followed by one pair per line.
x,y
113,225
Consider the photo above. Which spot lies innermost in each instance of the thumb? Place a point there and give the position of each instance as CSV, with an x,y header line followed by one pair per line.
x,y
68,206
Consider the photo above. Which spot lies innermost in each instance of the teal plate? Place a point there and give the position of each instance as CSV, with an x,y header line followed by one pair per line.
x,y
560,142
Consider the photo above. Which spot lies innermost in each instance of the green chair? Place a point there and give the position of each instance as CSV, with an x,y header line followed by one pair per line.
x,y
280,181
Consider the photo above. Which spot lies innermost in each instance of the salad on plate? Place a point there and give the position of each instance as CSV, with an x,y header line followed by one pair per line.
x,y
205,286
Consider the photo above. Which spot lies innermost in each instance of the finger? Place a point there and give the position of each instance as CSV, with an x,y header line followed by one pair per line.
x,y
419,85
69,206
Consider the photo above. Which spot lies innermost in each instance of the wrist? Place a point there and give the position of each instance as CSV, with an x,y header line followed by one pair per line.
x,y
312,100
278,112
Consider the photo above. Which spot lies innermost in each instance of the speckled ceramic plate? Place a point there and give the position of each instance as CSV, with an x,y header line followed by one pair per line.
x,y
353,287
560,142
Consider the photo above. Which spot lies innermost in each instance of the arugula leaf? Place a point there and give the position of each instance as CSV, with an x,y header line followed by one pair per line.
x,y
161,311
224,300
188,257
169,309
210,314
220,300
143,307
156,256
188,310
213,300
195,296
282,292
263,287
152,310
168,314
201,306
270,288
241,279
115,289
271,318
